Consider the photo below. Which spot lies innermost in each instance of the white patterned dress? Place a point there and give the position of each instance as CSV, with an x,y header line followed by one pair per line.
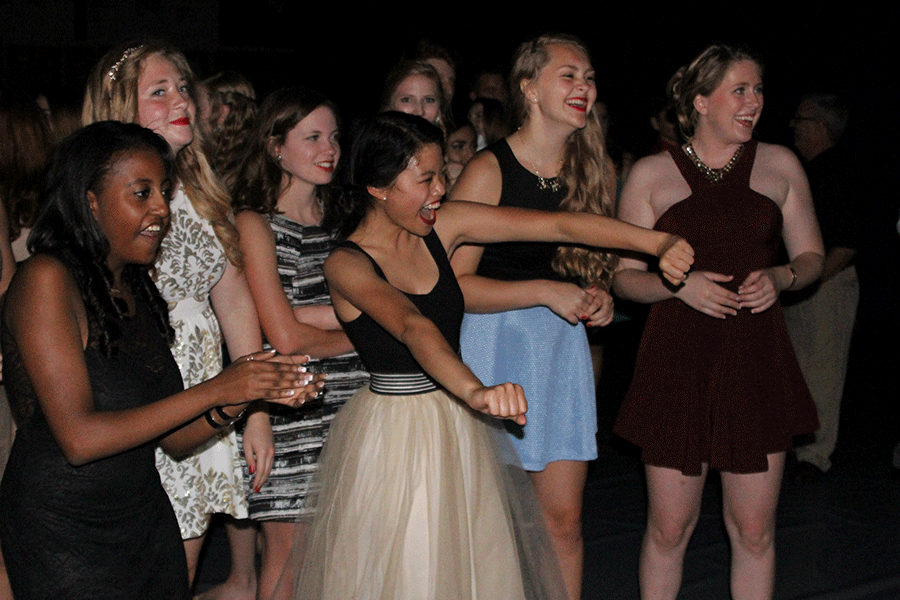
x,y
191,261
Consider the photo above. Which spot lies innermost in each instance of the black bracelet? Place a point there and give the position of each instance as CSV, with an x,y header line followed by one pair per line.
x,y
226,417
212,422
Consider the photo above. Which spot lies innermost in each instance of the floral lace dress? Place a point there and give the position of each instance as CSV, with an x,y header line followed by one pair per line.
x,y
191,261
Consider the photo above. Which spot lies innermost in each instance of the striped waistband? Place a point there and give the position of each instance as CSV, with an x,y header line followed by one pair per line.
x,y
405,384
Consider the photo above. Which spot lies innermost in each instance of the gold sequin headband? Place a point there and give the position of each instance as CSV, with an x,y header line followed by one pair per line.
x,y
115,68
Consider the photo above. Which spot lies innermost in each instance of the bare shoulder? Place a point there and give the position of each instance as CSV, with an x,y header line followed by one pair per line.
x,y
41,274
252,227
776,171
343,262
654,181
44,281
250,218
481,180
653,168
484,161
777,157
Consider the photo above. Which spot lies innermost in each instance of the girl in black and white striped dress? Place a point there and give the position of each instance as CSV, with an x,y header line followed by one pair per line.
x,y
278,201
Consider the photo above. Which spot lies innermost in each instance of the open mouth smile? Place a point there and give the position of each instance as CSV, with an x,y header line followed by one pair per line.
x,y
579,104
428,213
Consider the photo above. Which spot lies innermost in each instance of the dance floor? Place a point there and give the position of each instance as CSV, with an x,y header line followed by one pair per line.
x,y
838,538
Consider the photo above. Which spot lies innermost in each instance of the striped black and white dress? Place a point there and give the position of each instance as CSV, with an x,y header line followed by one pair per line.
x,y
299,433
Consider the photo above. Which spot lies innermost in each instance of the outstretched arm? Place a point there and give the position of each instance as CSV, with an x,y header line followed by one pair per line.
x,y
467,222
482,181
356,288
52,343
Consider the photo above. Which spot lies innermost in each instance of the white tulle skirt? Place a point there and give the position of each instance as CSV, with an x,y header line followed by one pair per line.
x,y
421,498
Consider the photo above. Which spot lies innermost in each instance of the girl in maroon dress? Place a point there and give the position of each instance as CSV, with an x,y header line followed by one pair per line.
x,y
716,383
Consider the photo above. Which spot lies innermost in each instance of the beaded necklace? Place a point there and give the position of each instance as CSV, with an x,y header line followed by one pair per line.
x,y
714,175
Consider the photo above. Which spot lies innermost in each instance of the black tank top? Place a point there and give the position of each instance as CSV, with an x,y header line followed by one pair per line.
x,y
516,261
383,353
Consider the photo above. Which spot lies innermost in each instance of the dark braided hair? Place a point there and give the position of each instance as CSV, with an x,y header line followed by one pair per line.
x,y
66,228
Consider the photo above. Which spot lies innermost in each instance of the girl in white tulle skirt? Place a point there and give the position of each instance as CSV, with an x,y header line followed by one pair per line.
x,y
420,495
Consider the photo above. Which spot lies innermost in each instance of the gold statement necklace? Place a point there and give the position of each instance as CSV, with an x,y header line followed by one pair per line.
x,y
714,175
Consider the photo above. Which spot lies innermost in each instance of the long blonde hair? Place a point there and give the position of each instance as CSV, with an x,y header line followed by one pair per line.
x,y
587,170
112,95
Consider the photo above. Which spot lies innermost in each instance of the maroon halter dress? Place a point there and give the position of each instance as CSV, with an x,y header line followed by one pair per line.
x,y
726,392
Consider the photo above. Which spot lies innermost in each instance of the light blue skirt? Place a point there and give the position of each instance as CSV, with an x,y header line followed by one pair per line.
x,y
551,360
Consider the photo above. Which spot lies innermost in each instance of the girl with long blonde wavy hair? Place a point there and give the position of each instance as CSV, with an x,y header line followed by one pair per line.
x,y
199,273
540,293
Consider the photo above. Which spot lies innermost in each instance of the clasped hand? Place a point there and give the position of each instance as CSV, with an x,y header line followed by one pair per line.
x,y
593,305
759,290
281,379
702,291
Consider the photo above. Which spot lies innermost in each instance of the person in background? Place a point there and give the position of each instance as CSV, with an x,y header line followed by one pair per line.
x,y
821,318
25,144
280,197
459,149
231,116
415,88
226,113
443,62
489,83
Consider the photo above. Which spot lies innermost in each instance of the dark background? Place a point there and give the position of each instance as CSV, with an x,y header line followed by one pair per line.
x,y
344,52
49,46
846,531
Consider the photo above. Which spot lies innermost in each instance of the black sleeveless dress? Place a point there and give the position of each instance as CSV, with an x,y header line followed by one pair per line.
x,y
726,392
419,499
104,530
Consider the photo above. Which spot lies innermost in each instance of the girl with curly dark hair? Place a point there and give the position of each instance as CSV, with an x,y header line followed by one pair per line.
x,y
94,386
